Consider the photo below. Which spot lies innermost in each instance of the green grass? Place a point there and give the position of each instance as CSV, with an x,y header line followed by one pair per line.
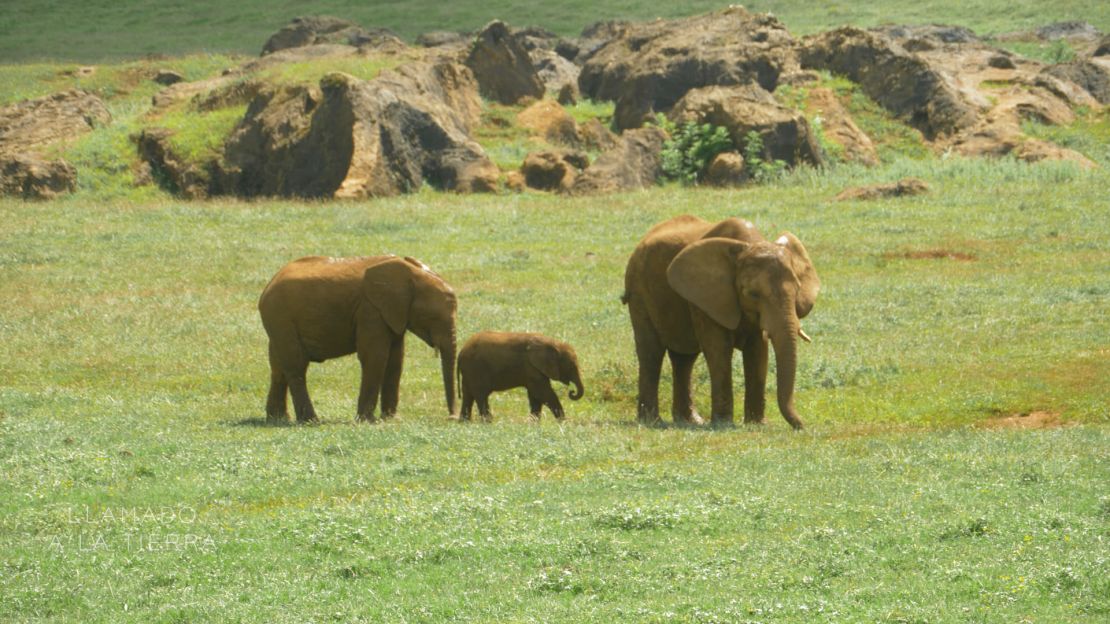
x,y
99,30
310,72
138,484
1089,135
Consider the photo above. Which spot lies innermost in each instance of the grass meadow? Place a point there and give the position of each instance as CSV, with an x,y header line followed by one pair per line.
x,y
139,483
954,467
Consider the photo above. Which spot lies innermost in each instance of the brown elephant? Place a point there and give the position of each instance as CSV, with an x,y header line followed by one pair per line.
x,y
319,308
492,361
697,287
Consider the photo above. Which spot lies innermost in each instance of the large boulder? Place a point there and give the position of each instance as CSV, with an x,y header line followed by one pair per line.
x,y
502,66
650,66
353,138
900,81
33,124
839,128
1093,74
30,177
555,72
785,133
324,29
553,170
634,163
548,119
190,180
29,127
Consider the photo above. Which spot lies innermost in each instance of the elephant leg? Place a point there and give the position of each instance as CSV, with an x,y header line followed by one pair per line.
x,y
755,378
467,404
277,409
483,407
717,345
535,405
294,368
649,354
682,403
373,346
547,396
298,388
391,385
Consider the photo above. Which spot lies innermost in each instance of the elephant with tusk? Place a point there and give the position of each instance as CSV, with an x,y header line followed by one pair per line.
x,y
697,287
318,308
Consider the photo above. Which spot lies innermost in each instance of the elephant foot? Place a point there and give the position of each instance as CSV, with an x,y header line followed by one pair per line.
x,y
692,419
277,419
367,418
722,422
308,421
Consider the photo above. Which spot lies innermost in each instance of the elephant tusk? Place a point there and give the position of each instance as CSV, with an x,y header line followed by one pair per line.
x,y
803,335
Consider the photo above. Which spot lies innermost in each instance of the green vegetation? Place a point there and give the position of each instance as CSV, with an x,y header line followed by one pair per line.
x,y
690,147
134,375
310,72
97,31
1089,135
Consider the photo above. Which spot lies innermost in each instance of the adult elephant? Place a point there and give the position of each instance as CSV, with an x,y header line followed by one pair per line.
x,y
697,287
318,308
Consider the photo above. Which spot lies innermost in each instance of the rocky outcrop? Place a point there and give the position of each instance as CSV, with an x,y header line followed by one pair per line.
x,y
180,176
548,119
897,79
785,133
634,163
901,188
33,124
839,128
726,169
594,135
444,38
352,138
324,29
30,177
27,128
553,170
650,66
554,71
502,66
1092,74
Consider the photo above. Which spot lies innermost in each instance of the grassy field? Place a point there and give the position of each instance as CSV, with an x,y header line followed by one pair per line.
x,y
98,30
139,484
955,462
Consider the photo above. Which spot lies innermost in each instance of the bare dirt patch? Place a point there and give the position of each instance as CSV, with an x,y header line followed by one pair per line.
x,y
934,254
1024,420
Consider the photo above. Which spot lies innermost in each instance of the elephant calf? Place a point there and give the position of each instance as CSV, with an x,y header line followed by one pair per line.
x,y
492,361
318,308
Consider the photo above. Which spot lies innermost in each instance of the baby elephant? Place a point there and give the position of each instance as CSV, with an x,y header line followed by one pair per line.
x,y
492,361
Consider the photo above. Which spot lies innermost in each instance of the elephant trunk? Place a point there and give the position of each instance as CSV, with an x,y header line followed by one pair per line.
x,y
447,363
784,338
577,392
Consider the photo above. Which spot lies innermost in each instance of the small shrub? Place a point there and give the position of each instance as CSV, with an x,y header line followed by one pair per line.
x,y
690,148
760,168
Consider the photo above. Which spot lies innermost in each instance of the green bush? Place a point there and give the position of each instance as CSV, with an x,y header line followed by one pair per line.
x,y
690,148
760,168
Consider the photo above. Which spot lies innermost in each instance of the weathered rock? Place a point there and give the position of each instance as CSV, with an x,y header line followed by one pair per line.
x,y
838,127
594,135
514,181
785,133
1002,61
901,188
227,80
1005,139
502,66
235,93
898,80
184,178
928,36
726,169
650,66
594,37
533,38
1092,74
167,77
552,170
634,163
568,94
30,177
32,124
554,71
1103,47
354,138
441,38
1071,29
549,120
324,29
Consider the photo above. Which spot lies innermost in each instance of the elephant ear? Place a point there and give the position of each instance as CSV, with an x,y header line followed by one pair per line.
x,y
388,287
704,274
803,269
545,357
